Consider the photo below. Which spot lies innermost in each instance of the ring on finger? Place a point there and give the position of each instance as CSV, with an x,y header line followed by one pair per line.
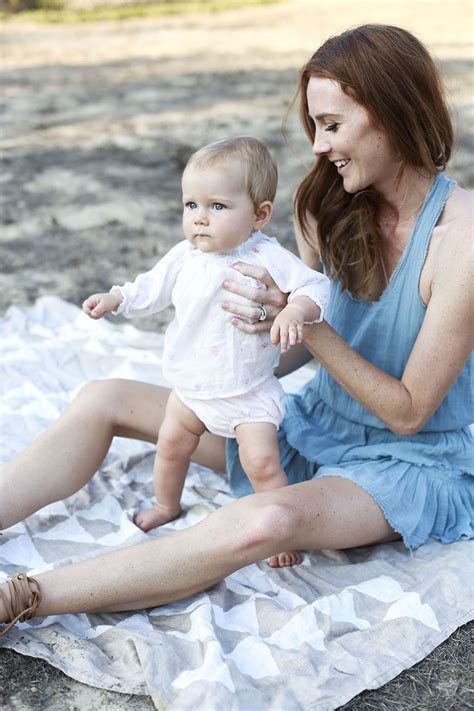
x,y
263,313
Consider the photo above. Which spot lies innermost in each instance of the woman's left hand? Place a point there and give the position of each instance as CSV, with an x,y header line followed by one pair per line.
x,y
249,318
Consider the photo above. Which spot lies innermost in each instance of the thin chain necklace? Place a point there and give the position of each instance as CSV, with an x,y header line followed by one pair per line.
x,y
382,261
418,208
386,222
405,219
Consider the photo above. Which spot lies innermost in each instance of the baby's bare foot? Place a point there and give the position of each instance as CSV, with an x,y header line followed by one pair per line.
x,y
156,516
282,560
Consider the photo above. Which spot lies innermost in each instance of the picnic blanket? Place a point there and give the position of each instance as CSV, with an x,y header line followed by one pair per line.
x,y
311,636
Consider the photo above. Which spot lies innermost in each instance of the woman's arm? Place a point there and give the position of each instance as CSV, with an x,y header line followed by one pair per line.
x,y
292,360
274,301
438,356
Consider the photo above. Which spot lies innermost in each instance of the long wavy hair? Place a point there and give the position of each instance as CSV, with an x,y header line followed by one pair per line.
x,y
391,74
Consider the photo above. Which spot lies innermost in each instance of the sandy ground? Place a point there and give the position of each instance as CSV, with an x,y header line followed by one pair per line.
x,y
98,121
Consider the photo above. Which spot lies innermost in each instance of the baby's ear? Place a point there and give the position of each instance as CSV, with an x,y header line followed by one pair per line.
x,y
263,214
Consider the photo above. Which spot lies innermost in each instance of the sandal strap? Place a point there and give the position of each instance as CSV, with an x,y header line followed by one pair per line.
x,y
23,599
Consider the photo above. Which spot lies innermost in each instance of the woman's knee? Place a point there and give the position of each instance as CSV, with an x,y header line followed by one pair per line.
x,y
271,525
100,398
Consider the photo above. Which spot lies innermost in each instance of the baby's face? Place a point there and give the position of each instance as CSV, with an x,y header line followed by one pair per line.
x,y
218,213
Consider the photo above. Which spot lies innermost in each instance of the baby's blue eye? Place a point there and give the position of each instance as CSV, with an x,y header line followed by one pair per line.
x,y
332,127
218,206
191,205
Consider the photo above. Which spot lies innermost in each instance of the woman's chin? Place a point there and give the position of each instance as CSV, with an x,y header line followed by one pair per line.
x,y
350,187
353,186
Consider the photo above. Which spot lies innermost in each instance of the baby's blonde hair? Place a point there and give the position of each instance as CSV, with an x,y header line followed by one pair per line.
x,y
261,174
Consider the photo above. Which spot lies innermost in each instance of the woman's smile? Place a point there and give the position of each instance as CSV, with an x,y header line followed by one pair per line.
x,y
346,135
341,164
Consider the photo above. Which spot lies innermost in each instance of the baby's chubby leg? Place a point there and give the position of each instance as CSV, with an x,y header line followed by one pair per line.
x,y
260,459
178,438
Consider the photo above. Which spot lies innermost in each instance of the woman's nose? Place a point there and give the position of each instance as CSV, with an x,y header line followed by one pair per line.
x,y
321,144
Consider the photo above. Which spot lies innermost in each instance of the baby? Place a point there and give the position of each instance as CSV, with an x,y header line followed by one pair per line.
x,y
222,377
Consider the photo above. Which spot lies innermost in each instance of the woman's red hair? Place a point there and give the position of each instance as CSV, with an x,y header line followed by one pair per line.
x,y
389,72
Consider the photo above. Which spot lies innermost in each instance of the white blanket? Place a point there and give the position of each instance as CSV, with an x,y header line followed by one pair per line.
x,y
312,636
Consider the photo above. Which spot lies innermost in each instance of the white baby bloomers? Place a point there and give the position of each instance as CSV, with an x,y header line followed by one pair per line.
x,y
206,359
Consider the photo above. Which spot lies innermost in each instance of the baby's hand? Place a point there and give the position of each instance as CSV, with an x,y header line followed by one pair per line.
x,y
98,305
287,328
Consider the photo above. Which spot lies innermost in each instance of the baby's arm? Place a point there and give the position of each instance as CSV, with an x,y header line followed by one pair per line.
x,y
150,293
287,328
98,305
308,293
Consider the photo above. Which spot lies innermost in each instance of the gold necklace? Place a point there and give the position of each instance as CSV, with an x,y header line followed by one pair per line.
x,y
383,267
405,219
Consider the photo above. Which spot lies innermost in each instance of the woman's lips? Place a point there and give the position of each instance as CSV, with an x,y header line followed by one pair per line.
x,y
342,168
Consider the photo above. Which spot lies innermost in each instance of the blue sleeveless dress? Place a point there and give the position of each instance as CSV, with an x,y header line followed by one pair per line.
x,y
423,483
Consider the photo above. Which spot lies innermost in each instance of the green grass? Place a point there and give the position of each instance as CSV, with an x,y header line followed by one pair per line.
x,y
123,12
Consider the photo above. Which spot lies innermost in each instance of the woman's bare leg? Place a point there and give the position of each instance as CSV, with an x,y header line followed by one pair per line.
x,y
326,513
66,456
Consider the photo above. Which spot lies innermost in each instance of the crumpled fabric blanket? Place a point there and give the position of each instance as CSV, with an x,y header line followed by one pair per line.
x,y
312,636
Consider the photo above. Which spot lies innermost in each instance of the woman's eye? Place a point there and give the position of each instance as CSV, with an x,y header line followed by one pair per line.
x,y
332,127
218,206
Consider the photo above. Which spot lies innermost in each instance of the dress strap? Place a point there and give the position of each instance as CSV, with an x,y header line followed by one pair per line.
x,y
428,217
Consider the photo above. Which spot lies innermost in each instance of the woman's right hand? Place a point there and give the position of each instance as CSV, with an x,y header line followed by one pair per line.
x,y
98,305
247,317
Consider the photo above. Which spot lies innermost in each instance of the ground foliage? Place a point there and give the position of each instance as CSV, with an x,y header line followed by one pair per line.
x,y
443,680
93,136
64,11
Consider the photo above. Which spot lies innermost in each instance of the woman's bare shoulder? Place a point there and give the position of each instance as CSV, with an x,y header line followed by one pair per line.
x,y
459,207
455,231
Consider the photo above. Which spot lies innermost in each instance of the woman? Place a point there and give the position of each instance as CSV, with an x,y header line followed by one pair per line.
x,y
375,450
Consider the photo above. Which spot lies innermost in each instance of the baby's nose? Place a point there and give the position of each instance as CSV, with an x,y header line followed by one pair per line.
x,y
200,216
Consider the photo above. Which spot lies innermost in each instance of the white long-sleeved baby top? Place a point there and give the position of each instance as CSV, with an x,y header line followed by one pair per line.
x,y
204,355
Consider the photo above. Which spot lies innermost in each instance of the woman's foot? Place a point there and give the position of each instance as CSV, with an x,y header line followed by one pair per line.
x,y
20,597
156,516
283,560
4,596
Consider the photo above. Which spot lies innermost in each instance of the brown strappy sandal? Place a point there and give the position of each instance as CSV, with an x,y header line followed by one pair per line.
x,y
23,602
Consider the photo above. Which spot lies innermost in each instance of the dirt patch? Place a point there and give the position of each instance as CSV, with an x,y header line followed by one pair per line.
x,y
441,681
98,121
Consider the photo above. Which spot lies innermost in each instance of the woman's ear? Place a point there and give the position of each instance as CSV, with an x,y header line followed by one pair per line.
x,y
263,214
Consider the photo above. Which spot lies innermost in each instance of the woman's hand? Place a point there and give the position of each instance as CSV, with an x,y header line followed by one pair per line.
x,y
248,318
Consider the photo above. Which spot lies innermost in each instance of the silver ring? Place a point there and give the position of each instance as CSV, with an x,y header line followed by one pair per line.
x,y
263,313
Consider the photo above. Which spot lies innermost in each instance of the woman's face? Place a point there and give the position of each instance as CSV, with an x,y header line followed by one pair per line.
x,y
346,135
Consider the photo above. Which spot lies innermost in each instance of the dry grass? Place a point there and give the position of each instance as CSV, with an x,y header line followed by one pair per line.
x,y
103,103
443,680
59,11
